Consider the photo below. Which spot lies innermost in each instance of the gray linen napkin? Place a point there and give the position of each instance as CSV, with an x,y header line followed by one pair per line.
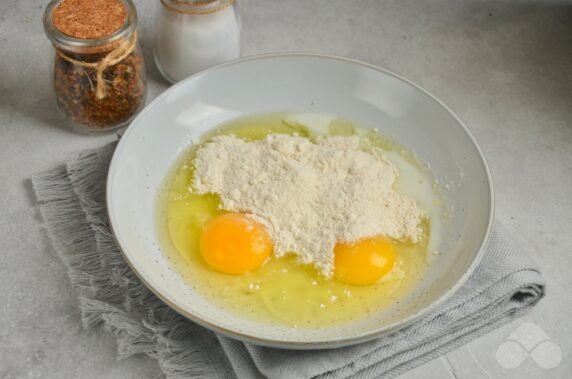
x,y
72,201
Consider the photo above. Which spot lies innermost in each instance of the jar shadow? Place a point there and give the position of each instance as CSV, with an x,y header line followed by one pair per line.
x,y
147,42
30,94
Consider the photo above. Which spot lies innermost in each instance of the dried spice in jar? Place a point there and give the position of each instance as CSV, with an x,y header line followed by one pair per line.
x,y
99,72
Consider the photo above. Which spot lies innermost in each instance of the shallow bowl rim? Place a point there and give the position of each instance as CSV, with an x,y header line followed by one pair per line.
x,y
292,344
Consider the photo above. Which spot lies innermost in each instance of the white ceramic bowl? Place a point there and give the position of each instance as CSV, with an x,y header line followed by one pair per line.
x,y
360,92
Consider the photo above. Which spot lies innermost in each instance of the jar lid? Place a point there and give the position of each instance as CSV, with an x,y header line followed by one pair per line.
x,y
197,6
89,19
84,25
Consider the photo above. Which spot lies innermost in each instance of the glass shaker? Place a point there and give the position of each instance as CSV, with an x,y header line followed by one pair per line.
x,y
192,35
98,70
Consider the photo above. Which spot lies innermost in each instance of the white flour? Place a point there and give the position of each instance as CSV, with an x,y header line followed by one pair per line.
x,y
308,195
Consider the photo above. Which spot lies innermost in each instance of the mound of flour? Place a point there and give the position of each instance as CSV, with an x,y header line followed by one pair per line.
x,y
308,195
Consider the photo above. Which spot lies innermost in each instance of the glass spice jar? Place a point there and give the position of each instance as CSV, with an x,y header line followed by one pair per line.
x,y
192,35
98,69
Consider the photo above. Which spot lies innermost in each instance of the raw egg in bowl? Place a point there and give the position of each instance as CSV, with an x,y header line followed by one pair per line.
x,y
303,261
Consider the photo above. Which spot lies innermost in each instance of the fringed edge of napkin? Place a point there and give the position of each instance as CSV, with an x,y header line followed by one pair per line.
x,y
109,293
72,201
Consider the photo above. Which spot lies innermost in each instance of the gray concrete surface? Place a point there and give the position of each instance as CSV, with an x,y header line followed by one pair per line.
x,y
504,66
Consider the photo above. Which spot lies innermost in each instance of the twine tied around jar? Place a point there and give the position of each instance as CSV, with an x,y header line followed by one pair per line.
x,y
114,57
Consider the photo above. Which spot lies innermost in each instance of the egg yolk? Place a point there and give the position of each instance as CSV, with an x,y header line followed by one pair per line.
x,y
364,261
234,243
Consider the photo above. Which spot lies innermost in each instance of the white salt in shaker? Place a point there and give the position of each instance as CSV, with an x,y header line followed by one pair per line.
x,y
192,35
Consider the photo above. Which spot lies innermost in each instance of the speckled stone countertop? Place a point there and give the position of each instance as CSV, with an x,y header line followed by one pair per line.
x,y
505,67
